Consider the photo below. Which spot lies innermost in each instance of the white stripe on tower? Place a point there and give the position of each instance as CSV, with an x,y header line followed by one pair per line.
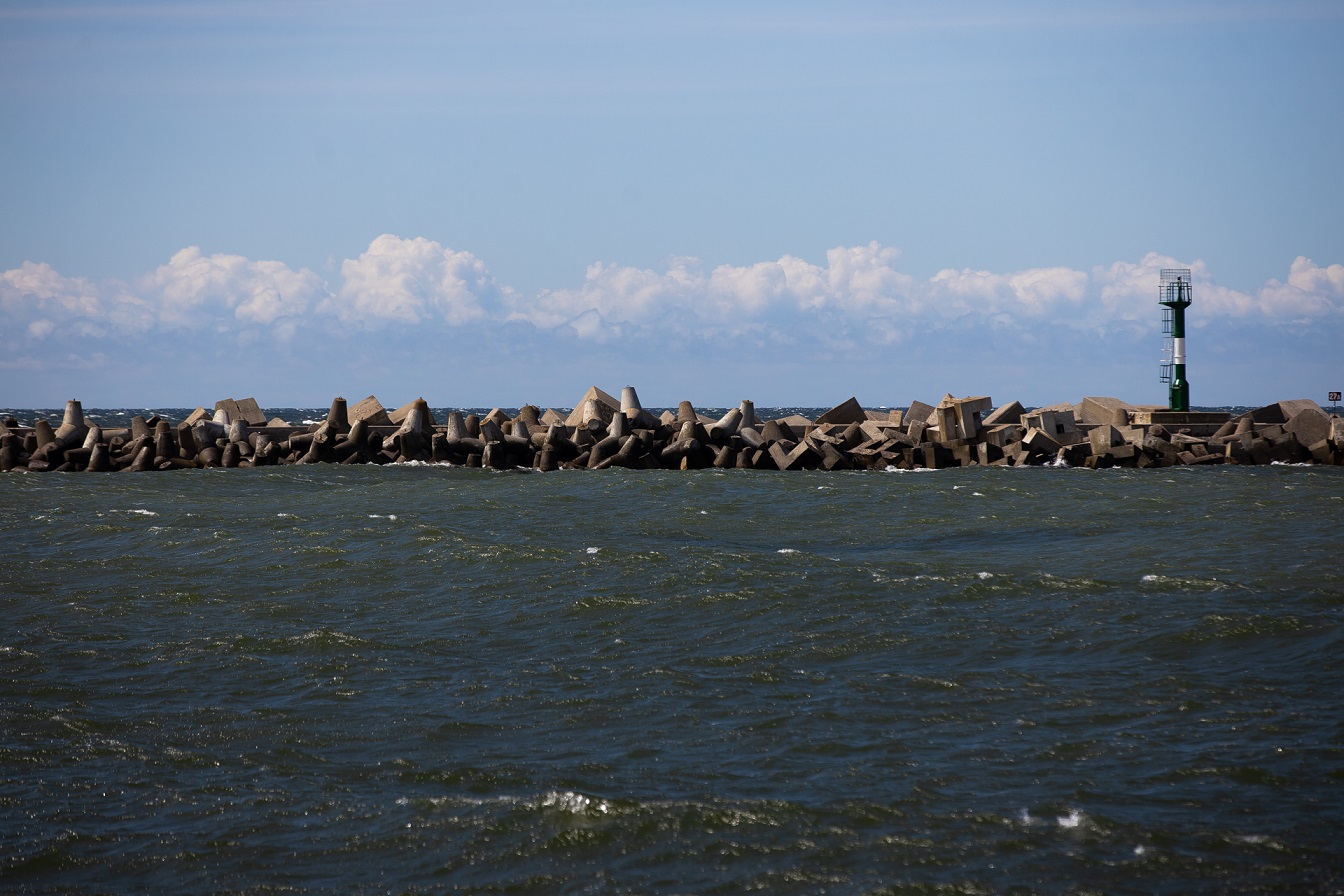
x,y
1178,350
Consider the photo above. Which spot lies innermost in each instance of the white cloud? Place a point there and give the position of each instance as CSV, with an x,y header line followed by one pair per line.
x,y
414,281
38,285
194,290
1311,293
858,296
1033,293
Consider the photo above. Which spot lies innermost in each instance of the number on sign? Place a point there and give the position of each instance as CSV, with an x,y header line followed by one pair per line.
x,y
1334,397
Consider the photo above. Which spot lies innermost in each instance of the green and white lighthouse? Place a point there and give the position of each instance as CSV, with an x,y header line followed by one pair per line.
x,y
1174,297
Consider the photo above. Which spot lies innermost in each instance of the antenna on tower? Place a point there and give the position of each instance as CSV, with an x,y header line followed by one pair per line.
x,y
1174,297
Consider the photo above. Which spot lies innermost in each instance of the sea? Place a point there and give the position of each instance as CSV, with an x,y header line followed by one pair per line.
x,y
428,679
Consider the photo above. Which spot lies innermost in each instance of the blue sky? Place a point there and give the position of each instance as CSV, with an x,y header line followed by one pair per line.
x,y
498,203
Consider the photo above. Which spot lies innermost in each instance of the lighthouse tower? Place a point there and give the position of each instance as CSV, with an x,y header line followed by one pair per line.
x,y
1174,297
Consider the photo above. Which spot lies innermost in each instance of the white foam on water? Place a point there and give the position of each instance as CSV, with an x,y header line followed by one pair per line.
x,y
984,575
379,516
139,511
787,551
592,550
577,803
977,494
1072,820
1151,578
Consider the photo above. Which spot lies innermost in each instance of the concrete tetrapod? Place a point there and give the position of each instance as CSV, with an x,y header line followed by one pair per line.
x,y
1097,432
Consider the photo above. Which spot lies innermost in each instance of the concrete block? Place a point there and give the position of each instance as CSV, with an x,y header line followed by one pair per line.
x,y
1103,438
1077,454
605,408
943,427
1293,407
846,412
1190,458
936,456
726,426
1322,452
852,436
371,411
1284,448
970,414
1260,451
1125,454
1003,434
1337,431
1057,422
890,417
803,457
399,416
797,423
1040,442
778,430
874,430
1309,425
1096,409
832,458
250,412
1132,434
1006,413
1234,452
918,412
230,409
1270,413
1098,462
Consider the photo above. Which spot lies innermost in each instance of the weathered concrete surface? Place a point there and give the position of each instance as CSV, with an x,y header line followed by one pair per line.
x,y
1006,413
371,411
848,411
958,432
1098,410
1197,423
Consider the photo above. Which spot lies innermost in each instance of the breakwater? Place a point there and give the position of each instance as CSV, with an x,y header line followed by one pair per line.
x,y
602,431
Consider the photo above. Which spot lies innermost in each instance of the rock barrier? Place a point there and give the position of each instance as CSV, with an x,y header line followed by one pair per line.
x,y
602,432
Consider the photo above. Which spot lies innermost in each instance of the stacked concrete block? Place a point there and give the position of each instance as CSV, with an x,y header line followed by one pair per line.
x,y
1057,422
602,432
1096,410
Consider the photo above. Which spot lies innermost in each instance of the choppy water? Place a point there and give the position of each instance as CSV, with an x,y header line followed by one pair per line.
x,y
416,679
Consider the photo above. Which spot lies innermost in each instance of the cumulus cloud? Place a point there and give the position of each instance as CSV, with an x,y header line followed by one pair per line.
x,y
195,290
1311,293
858,296
37,300
415,281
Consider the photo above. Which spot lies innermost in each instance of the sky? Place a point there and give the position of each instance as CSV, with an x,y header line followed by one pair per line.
x,y
492,204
